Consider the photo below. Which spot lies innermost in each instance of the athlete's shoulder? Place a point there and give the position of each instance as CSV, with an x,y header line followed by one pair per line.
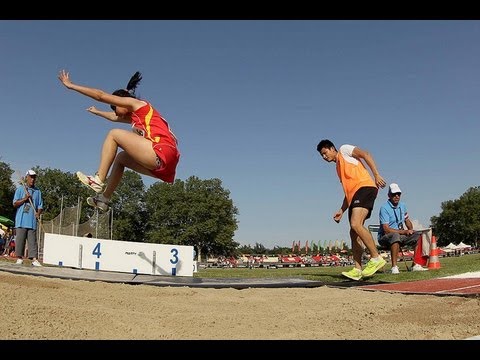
x,y
346,149
142,104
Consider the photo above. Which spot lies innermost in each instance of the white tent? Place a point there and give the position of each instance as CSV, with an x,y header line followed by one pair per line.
x,y
450,246
463,246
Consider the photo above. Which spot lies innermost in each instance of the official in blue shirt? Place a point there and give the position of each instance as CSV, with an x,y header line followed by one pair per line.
x,y
29,204
396,229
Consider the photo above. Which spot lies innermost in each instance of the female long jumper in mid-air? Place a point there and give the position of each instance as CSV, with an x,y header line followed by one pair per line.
x,y
151,149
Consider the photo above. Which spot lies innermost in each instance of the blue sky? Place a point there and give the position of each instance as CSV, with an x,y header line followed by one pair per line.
x,y
250,100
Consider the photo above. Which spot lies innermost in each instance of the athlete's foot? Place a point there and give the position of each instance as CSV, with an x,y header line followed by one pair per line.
x,y
93,182
99,201
373,266
354,274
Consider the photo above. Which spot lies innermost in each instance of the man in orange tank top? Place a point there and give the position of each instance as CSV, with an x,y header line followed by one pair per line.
x,y
360,194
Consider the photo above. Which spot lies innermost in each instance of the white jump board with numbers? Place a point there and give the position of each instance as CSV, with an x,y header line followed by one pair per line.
x,y
114,255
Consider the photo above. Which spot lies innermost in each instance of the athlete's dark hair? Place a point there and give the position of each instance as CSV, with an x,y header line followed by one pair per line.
x,y
325,144
131,86
130,90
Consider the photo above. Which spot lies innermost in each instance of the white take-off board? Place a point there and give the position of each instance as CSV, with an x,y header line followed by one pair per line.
x,y
113,255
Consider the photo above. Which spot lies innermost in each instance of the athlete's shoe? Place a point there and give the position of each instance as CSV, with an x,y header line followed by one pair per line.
x,y
98,201
395,270
373,266
354,274
93,182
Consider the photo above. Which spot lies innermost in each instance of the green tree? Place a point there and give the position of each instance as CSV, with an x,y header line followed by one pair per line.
x,y
128,205
259,249
55,185
245,250
195,212
459,219
7,190
278,250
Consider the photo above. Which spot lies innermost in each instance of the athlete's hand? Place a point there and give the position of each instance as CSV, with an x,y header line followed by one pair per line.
x,y
93,110
64,77
338,216
380,181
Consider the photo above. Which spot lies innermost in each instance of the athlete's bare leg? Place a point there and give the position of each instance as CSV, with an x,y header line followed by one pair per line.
x,y
357,221
137,155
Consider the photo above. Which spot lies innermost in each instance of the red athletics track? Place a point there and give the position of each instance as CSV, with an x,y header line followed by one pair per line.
x,y
442,286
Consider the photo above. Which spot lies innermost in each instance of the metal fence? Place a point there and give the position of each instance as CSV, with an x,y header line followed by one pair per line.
x,y
68,223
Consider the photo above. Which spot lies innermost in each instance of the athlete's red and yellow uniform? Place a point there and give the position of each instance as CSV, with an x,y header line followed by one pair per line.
x,y
147,122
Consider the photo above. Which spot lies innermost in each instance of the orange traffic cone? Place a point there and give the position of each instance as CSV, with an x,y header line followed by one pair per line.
x,y
418,258
433,262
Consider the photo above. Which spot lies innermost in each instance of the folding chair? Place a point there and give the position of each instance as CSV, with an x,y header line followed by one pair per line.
x,y
374,230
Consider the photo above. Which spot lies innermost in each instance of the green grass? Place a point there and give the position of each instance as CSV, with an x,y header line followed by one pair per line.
x,y
332,274
448,266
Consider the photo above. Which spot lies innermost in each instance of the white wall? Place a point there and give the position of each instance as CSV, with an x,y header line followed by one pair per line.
x,y
114,255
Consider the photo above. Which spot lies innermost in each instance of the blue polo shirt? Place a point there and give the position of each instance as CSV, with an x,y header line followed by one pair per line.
x,y
25,217
393,216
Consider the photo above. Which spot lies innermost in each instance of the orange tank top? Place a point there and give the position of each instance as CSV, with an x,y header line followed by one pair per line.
x,y
352,173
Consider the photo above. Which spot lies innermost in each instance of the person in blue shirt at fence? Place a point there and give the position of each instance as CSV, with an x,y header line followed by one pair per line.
x,y
29,204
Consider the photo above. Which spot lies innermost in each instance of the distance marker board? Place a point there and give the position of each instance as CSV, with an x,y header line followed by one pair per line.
x,y
113,255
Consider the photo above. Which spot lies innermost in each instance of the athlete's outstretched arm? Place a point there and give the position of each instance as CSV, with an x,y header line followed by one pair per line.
x,y
109,115
126,102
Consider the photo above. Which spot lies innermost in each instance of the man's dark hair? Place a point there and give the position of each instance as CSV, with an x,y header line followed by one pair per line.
x,y
325,144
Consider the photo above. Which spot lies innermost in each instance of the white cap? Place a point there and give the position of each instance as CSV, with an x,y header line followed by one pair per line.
x,y
31,173
394,188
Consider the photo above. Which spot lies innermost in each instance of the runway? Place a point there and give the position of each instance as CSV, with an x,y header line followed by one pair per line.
x,y
460,285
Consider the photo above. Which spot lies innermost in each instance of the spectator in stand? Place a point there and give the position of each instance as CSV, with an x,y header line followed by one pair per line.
x,y
2,240
10,244
396,229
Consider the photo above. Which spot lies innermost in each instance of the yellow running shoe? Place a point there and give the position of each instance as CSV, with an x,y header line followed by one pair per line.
x,y
354,274
373,266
